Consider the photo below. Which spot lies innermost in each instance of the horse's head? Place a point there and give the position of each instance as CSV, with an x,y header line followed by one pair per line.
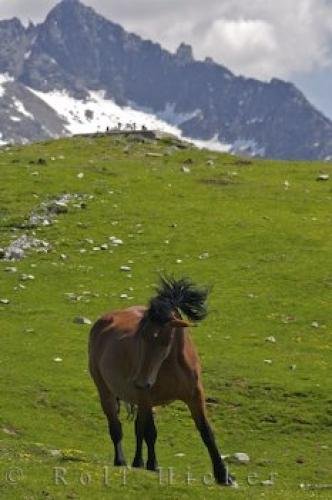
x,y
160,323
154,345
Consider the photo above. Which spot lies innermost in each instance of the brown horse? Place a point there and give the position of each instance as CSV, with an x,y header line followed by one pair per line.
x,y
145,357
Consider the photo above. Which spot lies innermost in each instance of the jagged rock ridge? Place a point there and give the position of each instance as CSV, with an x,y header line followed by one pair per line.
x,y
78,51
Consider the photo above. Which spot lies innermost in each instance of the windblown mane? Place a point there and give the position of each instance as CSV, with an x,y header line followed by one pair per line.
x,y
179,296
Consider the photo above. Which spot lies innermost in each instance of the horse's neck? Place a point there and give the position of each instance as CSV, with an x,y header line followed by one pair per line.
x,y
179,341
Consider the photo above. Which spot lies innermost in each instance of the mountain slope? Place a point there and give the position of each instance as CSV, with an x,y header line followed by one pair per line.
x,y
79,51
217,224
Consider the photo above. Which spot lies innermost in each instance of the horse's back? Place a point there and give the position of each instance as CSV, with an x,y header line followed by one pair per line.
x,y
111,337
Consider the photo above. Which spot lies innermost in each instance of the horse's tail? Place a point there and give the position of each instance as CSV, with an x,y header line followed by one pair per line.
x,y
179,295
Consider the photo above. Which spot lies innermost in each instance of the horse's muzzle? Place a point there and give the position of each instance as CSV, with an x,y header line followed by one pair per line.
x,y
143,386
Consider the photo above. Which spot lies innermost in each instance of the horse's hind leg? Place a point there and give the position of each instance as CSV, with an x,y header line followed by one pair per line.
x,y
110,406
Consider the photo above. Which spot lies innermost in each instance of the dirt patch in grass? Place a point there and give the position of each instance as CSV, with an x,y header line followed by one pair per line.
x,y
221,181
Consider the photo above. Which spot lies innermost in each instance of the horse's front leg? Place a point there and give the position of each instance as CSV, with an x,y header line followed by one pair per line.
x,y
139,432
150,436
145,429
198,412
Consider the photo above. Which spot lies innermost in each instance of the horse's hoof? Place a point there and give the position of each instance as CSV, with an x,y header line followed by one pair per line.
x,y
228,481
120,463
138,464
153,466
231,481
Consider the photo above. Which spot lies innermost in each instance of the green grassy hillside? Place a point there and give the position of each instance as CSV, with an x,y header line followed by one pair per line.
x,y
258,232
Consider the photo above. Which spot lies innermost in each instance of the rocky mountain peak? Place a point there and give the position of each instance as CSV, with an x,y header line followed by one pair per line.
x,y
184,53
77,52
69,9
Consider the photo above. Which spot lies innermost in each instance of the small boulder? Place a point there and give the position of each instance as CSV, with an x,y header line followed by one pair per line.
x,y
240,458
185,169
323,177
81,320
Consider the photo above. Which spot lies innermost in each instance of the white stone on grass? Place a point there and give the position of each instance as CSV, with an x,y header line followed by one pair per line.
x,y
241,458
81,320
185,170
323,177
203,256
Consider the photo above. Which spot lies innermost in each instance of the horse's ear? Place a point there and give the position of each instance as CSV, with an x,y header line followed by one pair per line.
x,y
179,323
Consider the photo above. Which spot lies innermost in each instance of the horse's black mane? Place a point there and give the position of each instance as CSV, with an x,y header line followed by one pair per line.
x,y
177,296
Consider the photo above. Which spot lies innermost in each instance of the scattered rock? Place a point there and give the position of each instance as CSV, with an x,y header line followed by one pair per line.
x,y
271,339
45,213
323,177
125,268
104,246
57,360
9,430
80,175
55,453
240,458
203,256
212,401
27,277
11,269
268,361
292,367
4,301
115,241
315,324
154,155
267,482
124,296
81,320
210,163
58,207
185,169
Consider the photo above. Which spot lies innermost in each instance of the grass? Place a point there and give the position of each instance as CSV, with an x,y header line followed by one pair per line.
x,y
265,248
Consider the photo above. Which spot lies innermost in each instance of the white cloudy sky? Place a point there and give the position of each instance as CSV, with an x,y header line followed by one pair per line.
x,y
290,39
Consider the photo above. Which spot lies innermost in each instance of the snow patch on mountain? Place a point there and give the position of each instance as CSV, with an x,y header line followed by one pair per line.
x,y
4,78
96,113
177,118
21,109
2,143
213,144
